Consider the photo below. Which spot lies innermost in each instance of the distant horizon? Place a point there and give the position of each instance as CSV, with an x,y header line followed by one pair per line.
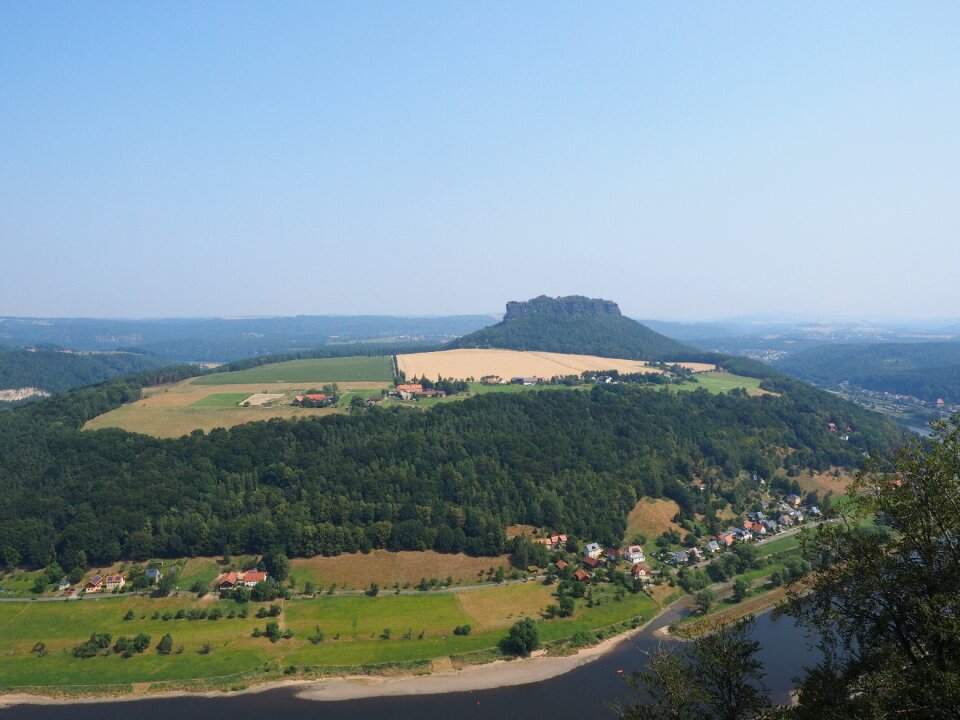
x,y
750,318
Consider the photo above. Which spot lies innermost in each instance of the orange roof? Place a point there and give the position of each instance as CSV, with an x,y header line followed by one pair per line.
x,y
316,396
410,388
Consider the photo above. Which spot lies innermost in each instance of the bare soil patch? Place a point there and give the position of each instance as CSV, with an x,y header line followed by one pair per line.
x,y
357,570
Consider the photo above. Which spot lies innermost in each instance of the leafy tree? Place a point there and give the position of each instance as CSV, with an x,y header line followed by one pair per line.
x,y
373,590
277,564
704,600
522,638
272,631
715,678
886,605
741,588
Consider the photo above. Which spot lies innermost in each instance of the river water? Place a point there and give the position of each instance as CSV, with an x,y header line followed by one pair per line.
x,y
582,694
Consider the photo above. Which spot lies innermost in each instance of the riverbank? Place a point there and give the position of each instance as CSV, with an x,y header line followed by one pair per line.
x,y
496,674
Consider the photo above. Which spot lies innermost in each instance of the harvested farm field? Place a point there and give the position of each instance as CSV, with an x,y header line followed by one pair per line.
x,y
177,409
475,363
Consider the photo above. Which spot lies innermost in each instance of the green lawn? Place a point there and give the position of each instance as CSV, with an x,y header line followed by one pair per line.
x,y
346,369
221,400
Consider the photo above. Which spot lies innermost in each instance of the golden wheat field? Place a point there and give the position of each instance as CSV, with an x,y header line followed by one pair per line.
x,y
476,363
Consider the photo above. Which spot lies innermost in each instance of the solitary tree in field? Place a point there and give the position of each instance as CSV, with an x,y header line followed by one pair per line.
x,y
522,639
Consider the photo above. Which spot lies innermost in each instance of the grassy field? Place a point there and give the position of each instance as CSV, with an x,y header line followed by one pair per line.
x,y
179,408
346,369
720,382
357,630
651,518
220,400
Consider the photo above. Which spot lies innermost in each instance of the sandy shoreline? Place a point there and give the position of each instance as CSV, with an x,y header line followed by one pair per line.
x,y
500,673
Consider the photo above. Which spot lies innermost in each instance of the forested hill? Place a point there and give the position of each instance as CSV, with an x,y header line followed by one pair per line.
x,y
55,371
577,325
451,478
927,370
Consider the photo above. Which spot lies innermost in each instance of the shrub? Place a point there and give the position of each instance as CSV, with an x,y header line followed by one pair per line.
x,y
165,645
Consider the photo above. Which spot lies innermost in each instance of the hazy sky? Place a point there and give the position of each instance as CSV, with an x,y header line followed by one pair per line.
x,y
686,159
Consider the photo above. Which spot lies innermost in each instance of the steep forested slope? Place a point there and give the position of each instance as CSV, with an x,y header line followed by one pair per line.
x,y
451,478
574,325
925,370
56,371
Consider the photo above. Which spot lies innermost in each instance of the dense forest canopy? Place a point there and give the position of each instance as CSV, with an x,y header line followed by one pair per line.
x,y
928,370
54,370
574,325
450,479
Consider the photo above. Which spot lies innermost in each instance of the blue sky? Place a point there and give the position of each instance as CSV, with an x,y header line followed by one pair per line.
x,y
688,160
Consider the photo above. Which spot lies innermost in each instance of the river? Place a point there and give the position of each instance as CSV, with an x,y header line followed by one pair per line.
x,y
582,694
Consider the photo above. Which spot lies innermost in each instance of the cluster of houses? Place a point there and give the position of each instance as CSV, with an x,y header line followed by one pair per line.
x,y
757,524
553,542
409,391
314,400
594,557
234,579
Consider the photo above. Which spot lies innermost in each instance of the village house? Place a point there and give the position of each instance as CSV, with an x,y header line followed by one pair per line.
x,y
491,380
524,380
430,393
642,572
678,558
785,520
713,546
757,528
814,511
726,539
742,534
635,554
94,584
558,542
592,550
591,562
63,585
614,554
694,554
581,576
234,579
153,575
562,564
114,582
770,525
792,500
755,516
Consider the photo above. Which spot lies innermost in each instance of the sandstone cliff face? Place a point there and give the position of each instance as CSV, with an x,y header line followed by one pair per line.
x,y
17,394
570,306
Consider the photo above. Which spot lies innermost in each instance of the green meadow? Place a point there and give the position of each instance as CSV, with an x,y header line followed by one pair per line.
x,y
221,400
718,382
357,631
344,369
